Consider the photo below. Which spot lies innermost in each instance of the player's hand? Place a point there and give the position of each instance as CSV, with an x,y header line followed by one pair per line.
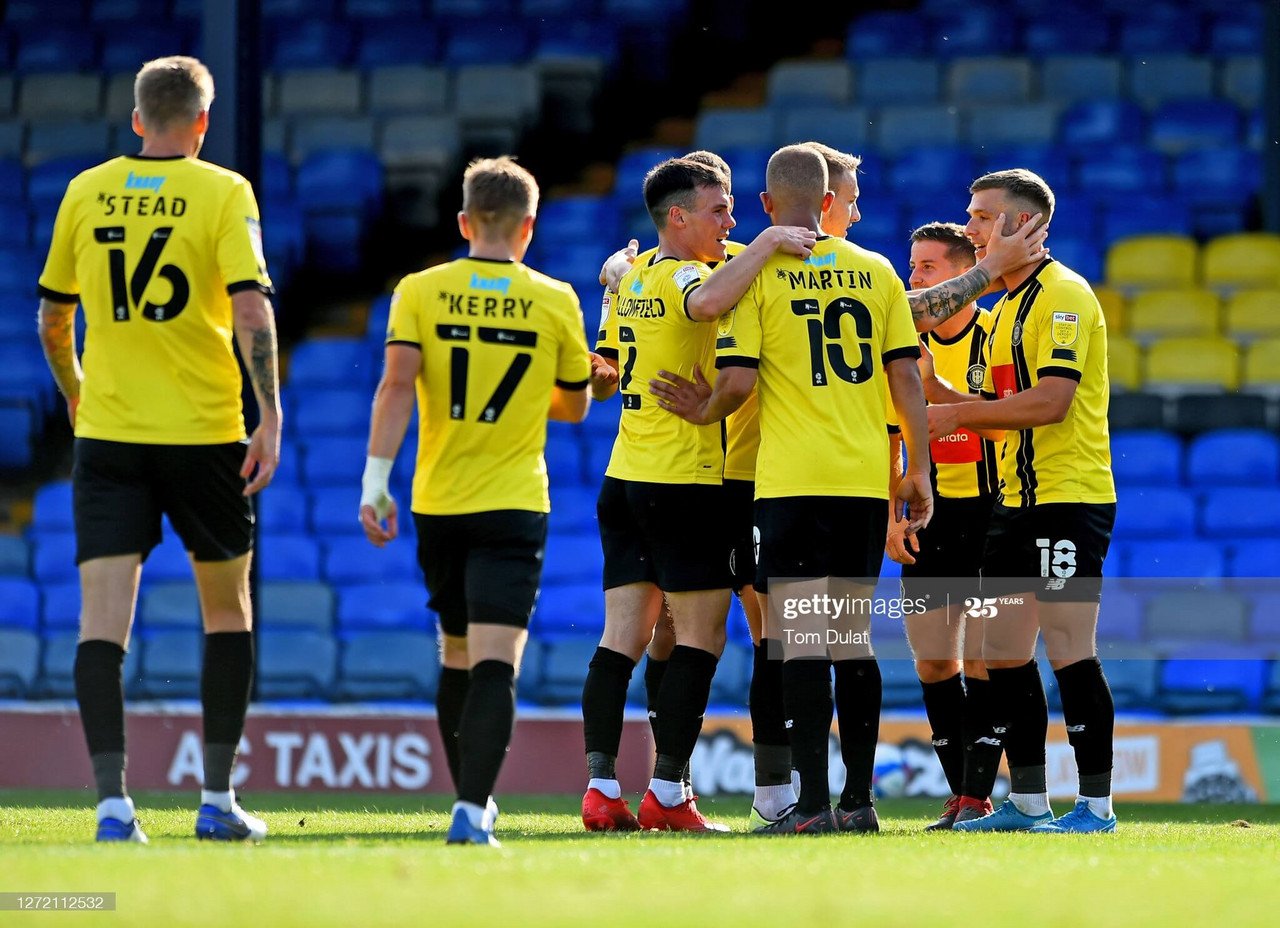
x,y
913,503
1025,245
925,363
792,240
943,419
263,455
617,264
603,374
683,397
897,542
372,518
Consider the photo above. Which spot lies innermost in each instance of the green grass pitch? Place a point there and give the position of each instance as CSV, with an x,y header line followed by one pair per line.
x,y
373,860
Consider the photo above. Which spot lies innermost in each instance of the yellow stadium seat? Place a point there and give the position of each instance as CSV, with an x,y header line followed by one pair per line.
x,y
1262,366
1113,308
1248,259
1253,314
1158,313
1124,362
1177,364
1152,261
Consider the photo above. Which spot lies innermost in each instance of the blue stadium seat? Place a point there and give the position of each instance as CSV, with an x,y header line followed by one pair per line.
x,y
354,560
485,41
54,556
1264,619
18,424
1096,123
397,41
1236,457
379,665
1197,616
972,31
282,510
1257,557
573,509
379,314
888,33
175,604
298,9
334,512
331,362
295,664
733,676
61,605
1154,79
19,603
333,412
1012,123
578,219
572,607
1132,672
389,605
15,556
632,168
43,48
124,49
1122,169
1141,213
564,459
277,177
1120,614
1229,514
340,179
57,666
1202,560
565,660
1215,175
1212,678
897,81
843,128
903,128
381,9
171,664
1046,34
41,11
944,167
572,557
1150,458
296,604
308,42
989,79
1158,28
1182,125
288,557
19,662
1156,512
496,8
47,182
808,83
15,226
724,128
334,461
167,561
1236,30
566,38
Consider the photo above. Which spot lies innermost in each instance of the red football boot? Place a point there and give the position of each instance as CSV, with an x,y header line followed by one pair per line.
x,y
600,813
971,808
654,816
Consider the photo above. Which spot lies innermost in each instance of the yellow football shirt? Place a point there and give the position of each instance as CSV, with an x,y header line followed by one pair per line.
x,y
153,248
820,332
742,429
1052,326
654,332
496,338
964,462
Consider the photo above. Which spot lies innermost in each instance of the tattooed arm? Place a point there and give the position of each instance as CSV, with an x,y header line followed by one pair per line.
x,y
58,336
256,334
1005,253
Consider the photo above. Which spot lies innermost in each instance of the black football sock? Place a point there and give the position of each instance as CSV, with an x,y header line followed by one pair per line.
x,y
682,703
451,696
981,747
768,718
806,692
99,682
484,732
225,682
859,691
654,671
944,705
1090,715
604,700
1021,721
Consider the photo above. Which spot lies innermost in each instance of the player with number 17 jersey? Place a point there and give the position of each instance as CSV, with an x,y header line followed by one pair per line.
x,y
130,239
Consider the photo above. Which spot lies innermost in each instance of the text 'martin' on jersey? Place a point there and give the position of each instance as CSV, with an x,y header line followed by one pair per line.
x,y
132,243
496,338
653,332
820,330
1052,325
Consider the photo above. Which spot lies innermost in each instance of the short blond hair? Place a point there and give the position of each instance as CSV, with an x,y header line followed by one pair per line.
x,y
173,91
798,174
840,164
498,194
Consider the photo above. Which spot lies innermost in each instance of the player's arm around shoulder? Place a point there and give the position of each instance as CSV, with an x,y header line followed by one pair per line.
x,y
725,286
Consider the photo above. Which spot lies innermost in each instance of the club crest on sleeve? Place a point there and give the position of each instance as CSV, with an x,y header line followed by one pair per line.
x,y
975,375
1066,329
686,275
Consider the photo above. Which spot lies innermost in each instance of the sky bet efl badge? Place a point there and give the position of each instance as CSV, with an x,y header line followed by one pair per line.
x,y
1066,328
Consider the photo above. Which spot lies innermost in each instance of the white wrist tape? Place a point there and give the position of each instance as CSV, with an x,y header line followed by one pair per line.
x,y
374,489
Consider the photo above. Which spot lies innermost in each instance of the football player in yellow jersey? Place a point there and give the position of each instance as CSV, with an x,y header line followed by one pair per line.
x,y
489,350
944,640
774,792
1046,386
822,514
164,253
